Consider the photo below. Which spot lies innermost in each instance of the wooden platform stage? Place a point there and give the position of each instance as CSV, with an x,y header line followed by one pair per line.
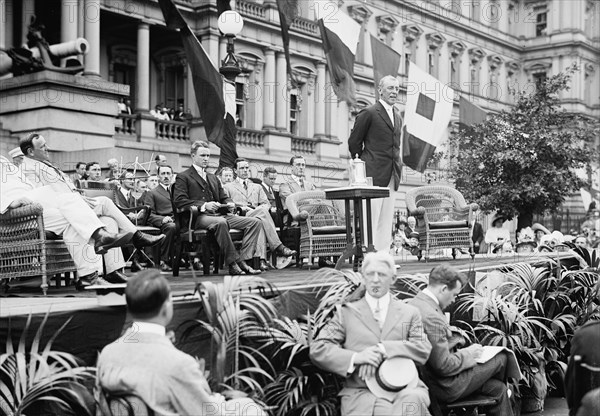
x,y
25,301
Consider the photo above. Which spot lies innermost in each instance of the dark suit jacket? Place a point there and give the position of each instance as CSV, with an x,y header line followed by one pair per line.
x,y
159,202
122,202
191,190
377,143
477,233
447,368
584,343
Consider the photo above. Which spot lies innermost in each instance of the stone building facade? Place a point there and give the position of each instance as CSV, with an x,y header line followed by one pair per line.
x,y
483,48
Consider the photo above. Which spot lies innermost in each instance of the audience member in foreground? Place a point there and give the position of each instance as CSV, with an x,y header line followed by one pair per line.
x,y
454,373
145,362
364,333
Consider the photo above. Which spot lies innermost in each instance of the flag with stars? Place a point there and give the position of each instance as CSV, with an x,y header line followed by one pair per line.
x,y
427,114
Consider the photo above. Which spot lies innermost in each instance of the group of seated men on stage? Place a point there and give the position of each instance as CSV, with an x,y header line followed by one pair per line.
x,y
257,207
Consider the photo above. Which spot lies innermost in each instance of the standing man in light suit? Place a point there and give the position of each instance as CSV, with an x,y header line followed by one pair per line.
x,y
376,139
365,332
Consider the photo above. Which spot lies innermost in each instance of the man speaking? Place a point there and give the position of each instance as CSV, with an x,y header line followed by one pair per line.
x,y
375,138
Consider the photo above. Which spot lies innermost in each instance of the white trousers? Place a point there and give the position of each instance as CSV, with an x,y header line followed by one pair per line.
x,y
67,214
382,219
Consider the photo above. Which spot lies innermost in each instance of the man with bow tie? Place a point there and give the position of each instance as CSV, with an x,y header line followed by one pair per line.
x,y
363,333
253,202
376,139
196,187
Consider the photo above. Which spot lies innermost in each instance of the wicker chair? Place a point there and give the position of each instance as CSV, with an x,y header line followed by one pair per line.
x,y
26,249
444,219
322,225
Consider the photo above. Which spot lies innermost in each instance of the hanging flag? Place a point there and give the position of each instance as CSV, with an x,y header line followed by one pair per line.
x,y
340,38
469,113
386,61
427,114
288,11
212,91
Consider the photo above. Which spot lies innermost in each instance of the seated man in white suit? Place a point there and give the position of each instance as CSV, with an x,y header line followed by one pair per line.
x,y
145,362
252,200
40,172
365,332
68,215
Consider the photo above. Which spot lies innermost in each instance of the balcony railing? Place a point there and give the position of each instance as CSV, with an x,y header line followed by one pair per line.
x,y
303,145
246,8
127,125
172,130
250,138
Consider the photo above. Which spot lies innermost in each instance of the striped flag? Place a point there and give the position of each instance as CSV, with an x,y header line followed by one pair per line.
x,y
340,35
427,114
215,95
386,61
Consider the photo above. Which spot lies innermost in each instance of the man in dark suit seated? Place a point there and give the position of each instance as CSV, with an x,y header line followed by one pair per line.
x,y
454,373
145,363
196,187
268,183
161,214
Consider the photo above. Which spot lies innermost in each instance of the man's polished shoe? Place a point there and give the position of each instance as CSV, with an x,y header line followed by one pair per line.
x,y
265,265
89,280
104,241
246,268
235,270
197,265
141,239
164,267
136,266
116,277
284,251
326,263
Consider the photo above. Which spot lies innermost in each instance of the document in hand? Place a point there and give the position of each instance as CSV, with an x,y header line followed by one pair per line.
x,y
512,366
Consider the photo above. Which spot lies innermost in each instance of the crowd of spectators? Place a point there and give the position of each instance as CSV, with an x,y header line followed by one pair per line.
x,y
161,112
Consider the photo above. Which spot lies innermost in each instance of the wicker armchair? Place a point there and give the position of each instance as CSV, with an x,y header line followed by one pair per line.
x,y
444,219
26,250
322,225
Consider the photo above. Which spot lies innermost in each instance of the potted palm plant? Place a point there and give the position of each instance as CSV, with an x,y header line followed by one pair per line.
x,y
35,379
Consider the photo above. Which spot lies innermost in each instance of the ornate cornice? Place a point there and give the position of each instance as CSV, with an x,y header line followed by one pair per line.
x,y
456,48
435,40
360,13
411,32
476,55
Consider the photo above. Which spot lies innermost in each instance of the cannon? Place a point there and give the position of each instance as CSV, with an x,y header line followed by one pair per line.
x,y
38,55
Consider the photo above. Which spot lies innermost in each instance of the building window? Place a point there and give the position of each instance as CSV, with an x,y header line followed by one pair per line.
x,y
454,74
295,108
406,63
240,103
173,86
540,23
539,78
474,80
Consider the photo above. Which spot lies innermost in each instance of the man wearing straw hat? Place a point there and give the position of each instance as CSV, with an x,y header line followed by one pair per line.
x,y
365,336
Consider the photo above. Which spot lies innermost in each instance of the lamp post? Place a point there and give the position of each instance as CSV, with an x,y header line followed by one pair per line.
x,y
230,24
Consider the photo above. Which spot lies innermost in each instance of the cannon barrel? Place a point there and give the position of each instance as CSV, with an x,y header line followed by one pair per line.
x,y
60,50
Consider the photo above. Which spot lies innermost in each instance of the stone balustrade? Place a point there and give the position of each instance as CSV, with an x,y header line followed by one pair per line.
x,y
250,9
172,130
127,125
303,145
250,138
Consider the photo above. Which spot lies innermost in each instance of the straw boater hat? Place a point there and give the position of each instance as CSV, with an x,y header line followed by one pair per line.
x,y
393,375
16,152
539,227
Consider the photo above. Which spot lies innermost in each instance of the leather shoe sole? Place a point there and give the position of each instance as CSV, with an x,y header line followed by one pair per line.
x,y
145,240
326,263
286,252
235,270
102,245
247,269
116,277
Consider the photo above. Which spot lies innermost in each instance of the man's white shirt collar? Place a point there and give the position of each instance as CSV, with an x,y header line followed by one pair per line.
x,y
125,192
384,302
240,180
148,328
297,179
200,171
165,187
429,293
389,109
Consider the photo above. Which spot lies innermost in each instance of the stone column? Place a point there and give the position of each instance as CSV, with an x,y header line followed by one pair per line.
x,y
269,91
6,18
281,96
69,11
320,100
27,11
92,34
143,68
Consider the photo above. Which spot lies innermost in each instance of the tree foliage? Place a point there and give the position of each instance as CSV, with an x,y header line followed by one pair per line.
x,y
524,161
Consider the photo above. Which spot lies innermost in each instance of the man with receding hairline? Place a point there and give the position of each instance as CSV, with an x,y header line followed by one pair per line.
x,y
454,372
144,361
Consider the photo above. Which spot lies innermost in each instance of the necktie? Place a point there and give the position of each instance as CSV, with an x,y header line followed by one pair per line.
x,y
246,185
378,315
302,183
